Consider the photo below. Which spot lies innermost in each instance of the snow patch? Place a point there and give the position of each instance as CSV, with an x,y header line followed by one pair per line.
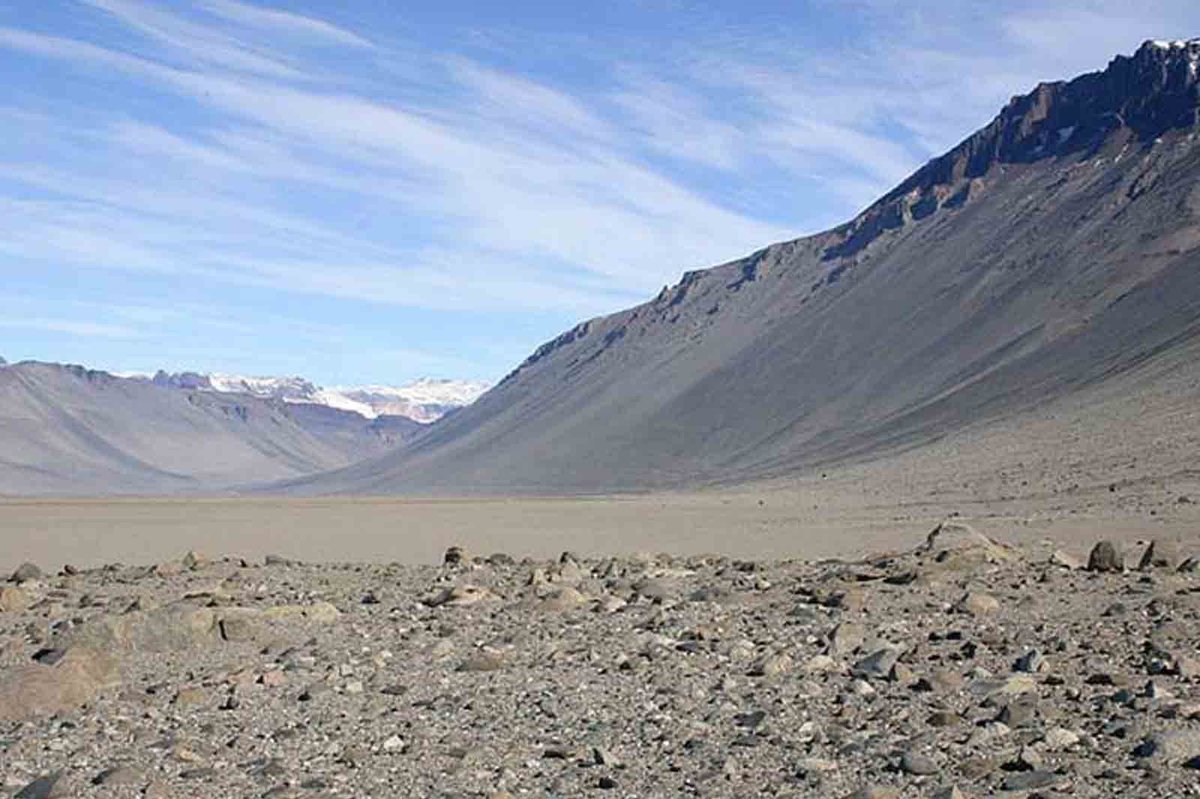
x,y
425,400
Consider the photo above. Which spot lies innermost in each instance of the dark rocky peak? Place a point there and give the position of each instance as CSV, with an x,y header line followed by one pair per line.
x,y
183,380
1136,98
94,376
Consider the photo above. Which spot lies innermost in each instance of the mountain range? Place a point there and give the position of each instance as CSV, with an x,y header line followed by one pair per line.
x,y
67,429
1051,252
425,400
1046,263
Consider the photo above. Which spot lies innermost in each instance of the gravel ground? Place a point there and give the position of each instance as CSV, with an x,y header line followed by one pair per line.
x,y
960,668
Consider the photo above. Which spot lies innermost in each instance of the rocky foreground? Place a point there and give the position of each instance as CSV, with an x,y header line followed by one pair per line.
x,y
962,668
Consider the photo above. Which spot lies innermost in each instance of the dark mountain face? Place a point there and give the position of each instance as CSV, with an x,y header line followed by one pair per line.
x,y
1056,248
350,431
190,381
1130,104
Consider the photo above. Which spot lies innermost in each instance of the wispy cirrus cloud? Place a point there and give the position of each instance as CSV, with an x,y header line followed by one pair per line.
x,y
285,22
242,151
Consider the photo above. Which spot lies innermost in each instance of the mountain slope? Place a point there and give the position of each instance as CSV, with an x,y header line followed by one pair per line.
x,y
1055,248
69,430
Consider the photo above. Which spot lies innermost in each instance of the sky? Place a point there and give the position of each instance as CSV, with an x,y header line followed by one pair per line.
x,y
372,191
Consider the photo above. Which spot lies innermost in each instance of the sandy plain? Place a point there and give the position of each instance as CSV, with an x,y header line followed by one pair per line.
x,y
810,519
1117,461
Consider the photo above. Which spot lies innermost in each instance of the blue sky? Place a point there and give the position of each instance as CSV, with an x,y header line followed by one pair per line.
x,y
372,191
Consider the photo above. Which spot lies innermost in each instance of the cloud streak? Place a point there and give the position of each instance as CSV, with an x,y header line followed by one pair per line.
x,y
229,146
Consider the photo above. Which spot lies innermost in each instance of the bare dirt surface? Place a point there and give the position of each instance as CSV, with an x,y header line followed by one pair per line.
x,y
958,667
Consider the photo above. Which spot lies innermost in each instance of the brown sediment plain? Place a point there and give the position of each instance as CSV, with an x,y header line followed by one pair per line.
x,y
841,515
1117,461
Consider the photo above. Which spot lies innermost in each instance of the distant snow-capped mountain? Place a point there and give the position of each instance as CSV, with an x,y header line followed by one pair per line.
x,y
424,400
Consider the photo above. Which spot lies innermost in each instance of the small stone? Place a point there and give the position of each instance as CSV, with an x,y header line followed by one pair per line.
x,y
1172,745
1060,738
313,691
1106,556
45,787
876,665
875,792
816,765
943,718
1032,662
606,783
900,673
460,595
604,757
852,600
1187,667
49,656
184,754
187,698
456,556
862,688
1018,712
275,678
653,590
1030,758
482,662
940,681
978,603
846,638
169,568
118,776
916,763
773,665
1032,780
562,599
193,561
393,744
236,629
158,790
819,664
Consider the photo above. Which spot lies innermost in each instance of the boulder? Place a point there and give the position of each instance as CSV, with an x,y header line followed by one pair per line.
x,y
13,599
456,556
958,542
977,603
1160,554
1066,560
41,689
1106,556
460,595
26,573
